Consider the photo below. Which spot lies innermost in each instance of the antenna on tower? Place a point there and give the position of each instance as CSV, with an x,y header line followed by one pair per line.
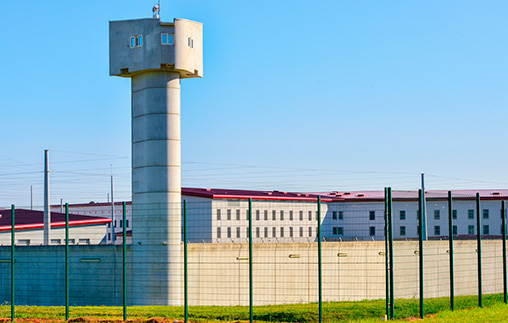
x,y
156,10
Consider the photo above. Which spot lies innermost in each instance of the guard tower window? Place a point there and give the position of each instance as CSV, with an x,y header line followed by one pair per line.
x,y
190,42
166,39
136,41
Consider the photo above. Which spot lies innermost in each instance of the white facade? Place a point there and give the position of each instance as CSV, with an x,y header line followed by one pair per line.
x,y
78,235
103,210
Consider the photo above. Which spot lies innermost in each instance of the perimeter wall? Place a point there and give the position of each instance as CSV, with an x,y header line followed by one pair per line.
x,y
218,274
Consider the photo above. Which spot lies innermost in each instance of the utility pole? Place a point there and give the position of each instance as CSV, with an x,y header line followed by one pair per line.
x,y
113,238
424,211
47,211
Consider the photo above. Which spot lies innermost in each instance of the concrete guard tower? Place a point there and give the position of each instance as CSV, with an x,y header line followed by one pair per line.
x,y
156,55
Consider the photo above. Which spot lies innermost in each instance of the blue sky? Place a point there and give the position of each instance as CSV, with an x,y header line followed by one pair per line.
x,y
301,96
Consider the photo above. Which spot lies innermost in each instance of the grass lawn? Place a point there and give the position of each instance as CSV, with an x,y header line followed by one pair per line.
x,y
436,310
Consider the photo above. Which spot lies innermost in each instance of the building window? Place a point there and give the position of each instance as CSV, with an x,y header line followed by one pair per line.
x,y
218,214
485,214
290,232
84,241
454,214
301,231
341,215
257,215
247,232
282,232
437,230
109,236
372,216
274,232
310,231
437,215
310,215
454,229
372,231
238,232
266,215
402,231
281,215
127,223
109,224
58,241
72,241
166,39
334,215
247,217
237,215
229,232
228,215
136,41
190,42
301,215
121,222
218,233
317,215
24,242
257,232
402,215
115,224
338,231
485,229
266,232
290,215
470,229
274,215
470,214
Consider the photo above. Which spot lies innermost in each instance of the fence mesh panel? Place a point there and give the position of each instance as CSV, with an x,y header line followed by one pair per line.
x,y
284,261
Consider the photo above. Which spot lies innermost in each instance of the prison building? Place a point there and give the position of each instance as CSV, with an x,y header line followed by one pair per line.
x,y
222,215
361,214
29,224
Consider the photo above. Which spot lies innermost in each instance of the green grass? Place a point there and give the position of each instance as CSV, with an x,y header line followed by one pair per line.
x,y
363,311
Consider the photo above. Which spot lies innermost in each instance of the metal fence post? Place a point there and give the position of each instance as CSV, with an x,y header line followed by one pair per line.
x,y
185,264
450,250
390,245
13,239
67,261
420,249
479,249
503,232
387,271
124,260
320,272
251,298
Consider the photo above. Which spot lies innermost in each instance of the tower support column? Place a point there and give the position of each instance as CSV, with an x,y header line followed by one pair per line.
x,y
156,188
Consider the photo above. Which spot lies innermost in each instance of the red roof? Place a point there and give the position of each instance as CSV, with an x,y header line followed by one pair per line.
x,y
375,196
218,193
29,220
336,196
92,204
